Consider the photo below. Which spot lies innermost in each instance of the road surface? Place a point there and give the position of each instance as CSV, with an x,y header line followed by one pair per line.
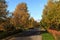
x,y
33,35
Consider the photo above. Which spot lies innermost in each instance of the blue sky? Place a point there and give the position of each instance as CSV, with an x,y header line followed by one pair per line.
x,y
35,7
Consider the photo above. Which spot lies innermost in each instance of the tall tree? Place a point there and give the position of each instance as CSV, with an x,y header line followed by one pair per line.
x,y
51,15
3,12
20,16
3,9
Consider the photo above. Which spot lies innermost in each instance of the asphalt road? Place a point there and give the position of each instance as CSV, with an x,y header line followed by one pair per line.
x,y
26,35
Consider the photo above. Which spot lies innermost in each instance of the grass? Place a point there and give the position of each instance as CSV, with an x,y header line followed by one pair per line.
x,y
47,36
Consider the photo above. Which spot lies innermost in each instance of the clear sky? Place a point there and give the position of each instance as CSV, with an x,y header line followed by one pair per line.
x,y
35,7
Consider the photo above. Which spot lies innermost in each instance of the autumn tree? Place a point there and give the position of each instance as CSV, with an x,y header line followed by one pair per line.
x,y
51,15
3,12
36,24
20,16
31,22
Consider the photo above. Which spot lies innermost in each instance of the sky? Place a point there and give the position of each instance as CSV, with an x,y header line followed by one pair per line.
x,y
35,7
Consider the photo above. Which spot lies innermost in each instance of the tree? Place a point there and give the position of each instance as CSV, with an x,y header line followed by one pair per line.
x,y
3,12
31,22
3,9
20,16
36,24
51,15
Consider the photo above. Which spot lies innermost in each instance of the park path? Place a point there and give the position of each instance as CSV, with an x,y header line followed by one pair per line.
x,y
37,37
33,35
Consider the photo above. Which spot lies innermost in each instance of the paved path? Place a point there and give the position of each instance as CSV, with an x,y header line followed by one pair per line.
x,y
37,37
31,37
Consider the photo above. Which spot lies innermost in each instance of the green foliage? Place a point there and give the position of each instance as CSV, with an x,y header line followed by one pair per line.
x,y
51,15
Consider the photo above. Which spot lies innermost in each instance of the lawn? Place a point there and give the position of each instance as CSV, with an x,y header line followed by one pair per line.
x,y
47,36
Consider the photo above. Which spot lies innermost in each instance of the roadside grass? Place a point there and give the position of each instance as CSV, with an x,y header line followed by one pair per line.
x,y
47,36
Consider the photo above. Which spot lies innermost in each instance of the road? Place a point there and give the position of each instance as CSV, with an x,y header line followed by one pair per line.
x,y
27,35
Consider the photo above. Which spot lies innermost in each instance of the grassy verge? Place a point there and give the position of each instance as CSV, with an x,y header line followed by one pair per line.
x,y
47,36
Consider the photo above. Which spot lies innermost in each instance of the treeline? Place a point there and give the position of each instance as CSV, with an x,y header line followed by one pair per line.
x,y
19,19
15,22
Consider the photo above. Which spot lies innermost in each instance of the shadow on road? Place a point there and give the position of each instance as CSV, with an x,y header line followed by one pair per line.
x,y
29,33
26,35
